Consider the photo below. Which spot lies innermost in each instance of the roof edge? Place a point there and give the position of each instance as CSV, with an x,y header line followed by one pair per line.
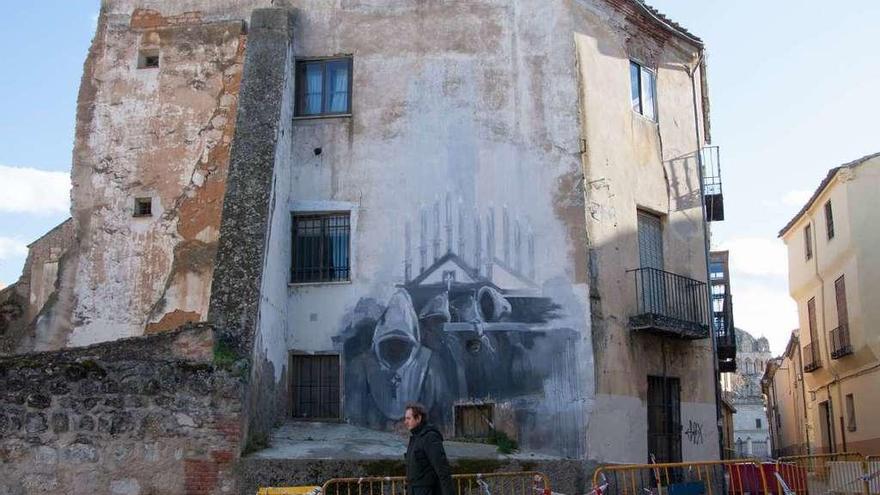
x,y
668,23
822,186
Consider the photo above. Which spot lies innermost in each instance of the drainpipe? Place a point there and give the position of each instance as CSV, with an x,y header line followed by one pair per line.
x,y
804,397
716,377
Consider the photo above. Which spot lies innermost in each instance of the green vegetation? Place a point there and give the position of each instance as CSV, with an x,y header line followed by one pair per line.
x,y
500,439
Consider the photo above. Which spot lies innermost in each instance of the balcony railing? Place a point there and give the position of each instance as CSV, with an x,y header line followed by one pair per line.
x,y
725,333
713,195
669,304
840,344
811,358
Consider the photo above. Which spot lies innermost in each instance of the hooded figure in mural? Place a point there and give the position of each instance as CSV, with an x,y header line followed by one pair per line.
x,y
397,369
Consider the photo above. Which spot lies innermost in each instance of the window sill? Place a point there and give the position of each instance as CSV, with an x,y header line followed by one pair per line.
x,y
293,285
642,117
323,116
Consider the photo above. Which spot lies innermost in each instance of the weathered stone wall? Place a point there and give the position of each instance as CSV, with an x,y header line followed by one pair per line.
x,y
143,415
248,301
161,133
34,295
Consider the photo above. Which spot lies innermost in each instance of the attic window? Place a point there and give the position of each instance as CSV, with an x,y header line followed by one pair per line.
x,y
148,59
143,207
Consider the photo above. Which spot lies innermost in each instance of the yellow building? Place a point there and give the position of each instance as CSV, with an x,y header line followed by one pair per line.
x,y
783,387
834,276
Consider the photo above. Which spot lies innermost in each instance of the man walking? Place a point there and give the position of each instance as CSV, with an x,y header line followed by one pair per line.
x,y
427,470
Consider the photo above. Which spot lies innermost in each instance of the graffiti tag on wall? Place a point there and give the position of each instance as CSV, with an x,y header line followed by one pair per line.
x,y
694,432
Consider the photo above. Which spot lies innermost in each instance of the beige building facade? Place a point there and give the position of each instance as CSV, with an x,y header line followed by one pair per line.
x,y
783,388
834,276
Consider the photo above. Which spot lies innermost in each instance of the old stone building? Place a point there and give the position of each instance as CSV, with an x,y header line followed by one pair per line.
x,y
496,208
751,434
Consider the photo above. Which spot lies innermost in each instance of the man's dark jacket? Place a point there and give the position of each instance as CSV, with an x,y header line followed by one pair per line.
x,y
427,470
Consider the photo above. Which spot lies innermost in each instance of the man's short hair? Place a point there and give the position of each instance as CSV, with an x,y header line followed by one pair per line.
x,y
418,410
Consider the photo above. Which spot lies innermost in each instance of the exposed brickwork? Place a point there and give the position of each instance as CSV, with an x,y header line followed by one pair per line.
x,y
151,19
201,477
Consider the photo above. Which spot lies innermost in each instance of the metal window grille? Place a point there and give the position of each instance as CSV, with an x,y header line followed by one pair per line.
x,y
321,248
664,418
315,386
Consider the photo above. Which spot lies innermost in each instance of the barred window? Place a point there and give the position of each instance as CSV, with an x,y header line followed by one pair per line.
x,y
321,249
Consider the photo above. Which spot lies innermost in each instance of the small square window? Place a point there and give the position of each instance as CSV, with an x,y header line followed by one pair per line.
x,y
323,87
643,90
321,247
143,207
148,59
758,423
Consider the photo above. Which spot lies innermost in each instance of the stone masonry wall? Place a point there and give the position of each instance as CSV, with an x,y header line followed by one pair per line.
x,y
143,415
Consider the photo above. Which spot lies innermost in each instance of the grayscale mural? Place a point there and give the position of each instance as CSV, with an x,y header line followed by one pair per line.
x,y
470,327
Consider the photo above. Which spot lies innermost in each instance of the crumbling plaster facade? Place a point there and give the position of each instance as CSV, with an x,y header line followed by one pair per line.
x,y
161,133
25,306
480,110
632,164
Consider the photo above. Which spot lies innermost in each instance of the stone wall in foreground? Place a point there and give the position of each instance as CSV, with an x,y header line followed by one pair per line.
x,y
146,415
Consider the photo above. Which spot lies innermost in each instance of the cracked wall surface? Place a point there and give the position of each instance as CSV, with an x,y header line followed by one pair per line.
x,y
28,304
151,132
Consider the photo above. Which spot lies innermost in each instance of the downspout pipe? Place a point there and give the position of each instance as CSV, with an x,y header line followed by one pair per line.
x,y
716,376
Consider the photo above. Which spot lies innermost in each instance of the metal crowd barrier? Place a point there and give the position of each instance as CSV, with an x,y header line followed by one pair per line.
x,y
820,474
513,483
872,473
732,477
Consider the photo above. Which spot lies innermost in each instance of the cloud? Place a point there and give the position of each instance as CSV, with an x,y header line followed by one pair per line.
x,y
10,248
757,256
764,309
759,286
30,190
796,198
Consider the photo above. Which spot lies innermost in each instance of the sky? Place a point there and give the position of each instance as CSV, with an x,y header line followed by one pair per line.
x,y
794,91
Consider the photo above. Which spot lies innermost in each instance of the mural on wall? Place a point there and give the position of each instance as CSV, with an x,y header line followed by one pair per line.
x,y
470,327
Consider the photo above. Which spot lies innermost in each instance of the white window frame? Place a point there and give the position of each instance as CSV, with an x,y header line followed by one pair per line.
x,y
643,70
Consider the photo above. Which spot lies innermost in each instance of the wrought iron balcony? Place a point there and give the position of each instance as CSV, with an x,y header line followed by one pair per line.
x,y
840,344
811,358
725,333
712,193
669,304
